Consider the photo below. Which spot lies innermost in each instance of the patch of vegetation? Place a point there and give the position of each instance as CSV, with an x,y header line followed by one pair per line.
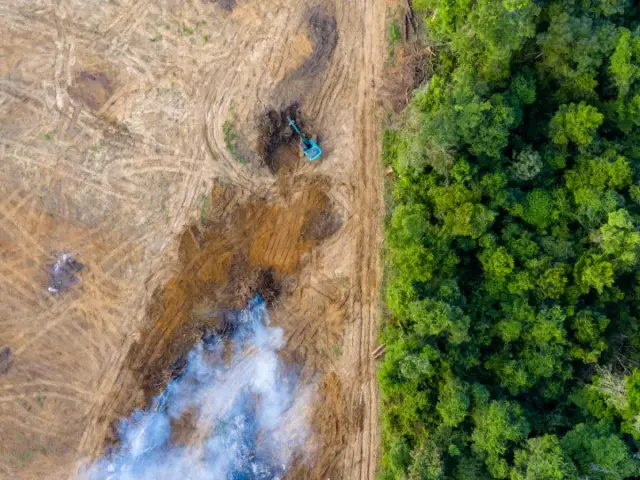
x,y
395,36
231,141
513,247
155,38
187,30
204,208
23,457
48,136
337,350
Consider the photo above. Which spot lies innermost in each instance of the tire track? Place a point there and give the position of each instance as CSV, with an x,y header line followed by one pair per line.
x,y
362,455
121,227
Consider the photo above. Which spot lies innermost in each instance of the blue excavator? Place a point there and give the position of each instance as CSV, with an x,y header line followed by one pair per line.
x,y
309,146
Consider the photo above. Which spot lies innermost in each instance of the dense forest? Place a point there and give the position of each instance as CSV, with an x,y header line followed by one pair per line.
x,y
513,246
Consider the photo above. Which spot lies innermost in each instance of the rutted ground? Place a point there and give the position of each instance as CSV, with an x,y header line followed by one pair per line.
x,y
113,142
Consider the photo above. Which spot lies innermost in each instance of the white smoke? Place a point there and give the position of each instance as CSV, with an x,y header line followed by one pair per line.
x,y
248,415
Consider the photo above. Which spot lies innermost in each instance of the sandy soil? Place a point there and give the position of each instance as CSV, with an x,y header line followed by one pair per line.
x,y
114,131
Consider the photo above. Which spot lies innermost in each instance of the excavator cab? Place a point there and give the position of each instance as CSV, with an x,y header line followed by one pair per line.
x,y
309,146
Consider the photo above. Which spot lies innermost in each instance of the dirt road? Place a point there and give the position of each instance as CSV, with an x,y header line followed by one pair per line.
x,y
132,135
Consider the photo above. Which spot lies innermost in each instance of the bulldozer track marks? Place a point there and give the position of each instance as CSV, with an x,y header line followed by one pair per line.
x,y
112,118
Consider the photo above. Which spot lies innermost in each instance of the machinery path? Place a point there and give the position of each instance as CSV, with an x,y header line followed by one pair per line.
x,y
112,133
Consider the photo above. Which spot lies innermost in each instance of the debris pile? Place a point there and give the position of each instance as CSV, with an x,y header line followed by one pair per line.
x,y
62,274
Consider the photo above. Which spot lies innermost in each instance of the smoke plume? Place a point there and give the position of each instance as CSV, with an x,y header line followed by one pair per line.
x,y
246,413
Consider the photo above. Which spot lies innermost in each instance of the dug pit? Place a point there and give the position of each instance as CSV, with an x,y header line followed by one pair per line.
x,y
279,144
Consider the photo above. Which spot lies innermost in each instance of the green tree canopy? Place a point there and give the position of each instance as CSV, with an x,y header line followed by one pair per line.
x,y
513,246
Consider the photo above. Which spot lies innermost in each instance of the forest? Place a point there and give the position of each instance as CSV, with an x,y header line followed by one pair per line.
x,y
513,246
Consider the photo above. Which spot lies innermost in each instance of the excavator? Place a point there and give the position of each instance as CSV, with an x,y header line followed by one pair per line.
x,y
309,146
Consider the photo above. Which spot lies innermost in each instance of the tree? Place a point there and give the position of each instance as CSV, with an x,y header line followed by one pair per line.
x,y
524,87
497,425
588,329
623,71
470,220
543,458
398,457
539,353
553,282
574,48
453,401
599,453
527,166
539,208
497,263
593,271
426,463
435,317
620,239
593,182
575,123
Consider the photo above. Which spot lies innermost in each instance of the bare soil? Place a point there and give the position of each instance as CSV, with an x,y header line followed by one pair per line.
x,y
112,146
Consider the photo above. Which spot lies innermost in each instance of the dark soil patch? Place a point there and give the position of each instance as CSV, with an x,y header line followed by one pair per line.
x,y
323,30
241,278
322,225
269,286
285,159
321,222
91,88
227,5
302,83
5,359
275,132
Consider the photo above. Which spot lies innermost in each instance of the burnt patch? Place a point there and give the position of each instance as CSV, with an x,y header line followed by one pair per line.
x,y
268,286
91,88
5,359
241,278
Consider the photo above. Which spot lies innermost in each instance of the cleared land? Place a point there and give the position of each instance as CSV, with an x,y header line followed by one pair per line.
x,y
133,134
